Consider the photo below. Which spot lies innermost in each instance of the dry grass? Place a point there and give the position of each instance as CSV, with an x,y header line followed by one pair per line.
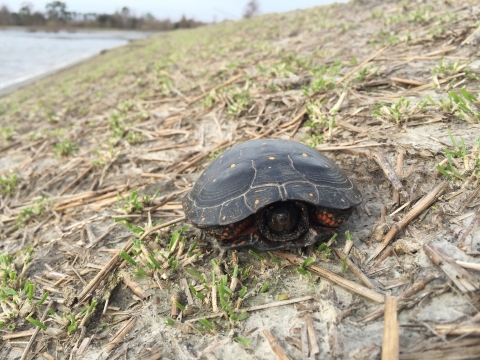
x,y
85,152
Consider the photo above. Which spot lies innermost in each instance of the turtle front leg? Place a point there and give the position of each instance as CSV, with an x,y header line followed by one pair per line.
x,y
232,231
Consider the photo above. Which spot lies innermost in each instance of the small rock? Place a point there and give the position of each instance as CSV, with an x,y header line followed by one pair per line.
x,y
407,246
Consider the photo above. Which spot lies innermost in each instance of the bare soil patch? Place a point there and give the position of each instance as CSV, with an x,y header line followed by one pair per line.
x,y
94,162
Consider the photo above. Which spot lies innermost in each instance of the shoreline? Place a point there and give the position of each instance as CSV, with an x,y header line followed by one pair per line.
x,y
22,81
27,80
46,29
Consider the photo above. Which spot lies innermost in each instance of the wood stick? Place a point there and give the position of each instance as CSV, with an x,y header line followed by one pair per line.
x,y
407,81
469,265
461,242
412,290
77,179
95,282
167,199
399,171
153,175
173,146
304,341
74,163
87,201
274,345
463,352
135,287
18,334
8,147
447,329
168,223
362,64
114,341
35,333
200,157
470,198
390,347
461,278
429,85
388,170
314,349
337,279
261,307
335,148
89,194
226,83
294,120
356,270
164,100
419,207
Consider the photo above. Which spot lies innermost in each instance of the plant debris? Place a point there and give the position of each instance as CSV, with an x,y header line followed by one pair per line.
x,y
98,262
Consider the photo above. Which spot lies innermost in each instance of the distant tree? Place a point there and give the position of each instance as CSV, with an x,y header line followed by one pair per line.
x,y
5,16
57,10
252,8
125,12
25,14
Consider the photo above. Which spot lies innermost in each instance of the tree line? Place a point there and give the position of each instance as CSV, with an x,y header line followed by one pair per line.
x,y
57,16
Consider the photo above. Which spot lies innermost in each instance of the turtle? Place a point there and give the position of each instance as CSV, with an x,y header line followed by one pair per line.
x,y
270,194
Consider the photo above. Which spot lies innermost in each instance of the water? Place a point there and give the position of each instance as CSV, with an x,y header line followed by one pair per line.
x,y
26,56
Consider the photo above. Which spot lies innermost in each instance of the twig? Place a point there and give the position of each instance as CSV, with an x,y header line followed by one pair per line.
x,y
163,202
226,83
77,179
399,170
470,37
276,348
73,163
261,307
356,270
407,81
461,278
363,63
461,242
314,349
18,334
95,282
164,225
347,284
388,170
136,288
200,157
114,341
35,333
468,265
412,214
472,196
334,148
412,290
173,146
390,348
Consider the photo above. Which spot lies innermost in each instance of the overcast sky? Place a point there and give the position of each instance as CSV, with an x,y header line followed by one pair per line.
x,y
205,10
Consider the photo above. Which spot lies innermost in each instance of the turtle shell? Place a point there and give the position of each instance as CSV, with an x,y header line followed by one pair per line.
x,y
257,173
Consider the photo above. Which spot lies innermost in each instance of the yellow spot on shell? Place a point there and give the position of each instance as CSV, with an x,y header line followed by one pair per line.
x,y
224,217
233,165
304,154
214,180
257,201
311,194
271,158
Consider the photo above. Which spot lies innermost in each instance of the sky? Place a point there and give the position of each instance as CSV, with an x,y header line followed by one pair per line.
x,y
204,10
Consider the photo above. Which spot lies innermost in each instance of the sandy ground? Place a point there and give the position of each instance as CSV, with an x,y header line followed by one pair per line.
x,y
150,116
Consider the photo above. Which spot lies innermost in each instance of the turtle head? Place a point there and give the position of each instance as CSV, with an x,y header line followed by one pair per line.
x,y
282,217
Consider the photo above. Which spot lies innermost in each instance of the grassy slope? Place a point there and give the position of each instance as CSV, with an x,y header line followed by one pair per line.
x,y
116,105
